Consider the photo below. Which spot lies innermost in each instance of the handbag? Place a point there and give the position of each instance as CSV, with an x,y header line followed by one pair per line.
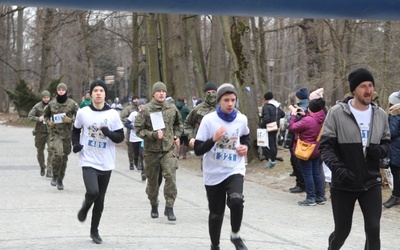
x,y
304,149
272,126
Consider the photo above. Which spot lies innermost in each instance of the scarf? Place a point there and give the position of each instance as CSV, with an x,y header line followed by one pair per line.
x,y
62,98
226,117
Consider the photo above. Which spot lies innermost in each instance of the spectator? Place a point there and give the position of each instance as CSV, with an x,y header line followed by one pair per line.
x,y
117,105
87,100
308,129
271,112
394,125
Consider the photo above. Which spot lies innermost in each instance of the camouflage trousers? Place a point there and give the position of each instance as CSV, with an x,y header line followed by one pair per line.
x,y
61,148
168,164
41,139
131,153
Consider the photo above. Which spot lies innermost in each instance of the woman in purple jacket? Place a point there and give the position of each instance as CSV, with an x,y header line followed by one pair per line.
x,y
307,129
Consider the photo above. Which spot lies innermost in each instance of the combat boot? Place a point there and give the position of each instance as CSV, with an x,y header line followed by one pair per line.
x,y
48,174
42,170
54,180
154,211
60,185
131,166
169,212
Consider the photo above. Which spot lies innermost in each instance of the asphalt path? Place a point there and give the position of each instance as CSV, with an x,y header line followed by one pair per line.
x,y
35,215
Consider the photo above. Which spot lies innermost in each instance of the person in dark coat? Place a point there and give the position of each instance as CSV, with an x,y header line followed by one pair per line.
x,y
271,112
394,125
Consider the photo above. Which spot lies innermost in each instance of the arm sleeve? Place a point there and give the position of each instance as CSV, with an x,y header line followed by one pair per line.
x,y
245,140
76,135
117,136
201,147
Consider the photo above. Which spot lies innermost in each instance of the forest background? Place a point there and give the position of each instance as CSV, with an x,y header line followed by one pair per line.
x,y
131,51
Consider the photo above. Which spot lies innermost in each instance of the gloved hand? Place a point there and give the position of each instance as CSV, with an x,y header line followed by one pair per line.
x,y
51,124
374,152
77,148
344,176
66,119
106,131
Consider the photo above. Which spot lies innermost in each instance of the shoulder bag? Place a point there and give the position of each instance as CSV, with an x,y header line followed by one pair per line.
x,y
273,126
304,150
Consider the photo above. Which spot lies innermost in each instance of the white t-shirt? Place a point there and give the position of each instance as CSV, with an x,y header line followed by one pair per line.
x,y
98,150
133,137
222,160
363,119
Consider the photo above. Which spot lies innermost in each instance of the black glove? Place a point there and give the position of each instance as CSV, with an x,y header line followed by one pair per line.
x,y
77,148
374,152
344,176
106,131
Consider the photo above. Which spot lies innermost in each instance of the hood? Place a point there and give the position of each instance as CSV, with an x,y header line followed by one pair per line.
x,y
274,102
319,116
179,104
394,110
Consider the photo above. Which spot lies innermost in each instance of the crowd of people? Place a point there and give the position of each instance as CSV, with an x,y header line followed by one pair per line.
x,y
351,139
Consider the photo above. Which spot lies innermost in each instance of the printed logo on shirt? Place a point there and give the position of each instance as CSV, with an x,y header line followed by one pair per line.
x,y
97,140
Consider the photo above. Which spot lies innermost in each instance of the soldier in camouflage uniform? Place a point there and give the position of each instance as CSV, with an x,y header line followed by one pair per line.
x,y
195,116
59,115
124,116
41,133
159,146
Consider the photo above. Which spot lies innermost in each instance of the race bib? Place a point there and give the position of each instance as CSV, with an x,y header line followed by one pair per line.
x,y
364,134
97,145
57,118
226,157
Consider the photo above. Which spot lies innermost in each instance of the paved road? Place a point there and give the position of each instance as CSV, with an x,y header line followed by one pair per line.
x,y
35,215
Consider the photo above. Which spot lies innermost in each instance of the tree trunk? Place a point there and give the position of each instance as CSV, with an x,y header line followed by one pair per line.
x,y
20,43
135,46
46,48
237,40
83,19
152,51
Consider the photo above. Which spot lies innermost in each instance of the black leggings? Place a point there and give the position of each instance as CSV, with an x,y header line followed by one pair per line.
x,y
396,179
229,192
343,207
96,183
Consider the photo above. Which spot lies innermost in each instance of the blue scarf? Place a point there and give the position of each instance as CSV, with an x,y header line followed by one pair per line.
x,y
226,117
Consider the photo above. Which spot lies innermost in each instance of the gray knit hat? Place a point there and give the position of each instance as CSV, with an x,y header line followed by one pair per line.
x,y
394,98
225,88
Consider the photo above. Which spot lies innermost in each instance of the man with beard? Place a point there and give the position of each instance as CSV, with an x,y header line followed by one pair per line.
x,y
59,115
355,137
41,133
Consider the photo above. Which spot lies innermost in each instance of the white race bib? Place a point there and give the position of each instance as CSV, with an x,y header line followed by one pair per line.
x,y
97,145
226,157
57,118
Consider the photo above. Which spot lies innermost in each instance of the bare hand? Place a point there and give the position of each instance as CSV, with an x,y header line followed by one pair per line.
x,y
160,134
41,118
242,150
191,142
177,142
219,134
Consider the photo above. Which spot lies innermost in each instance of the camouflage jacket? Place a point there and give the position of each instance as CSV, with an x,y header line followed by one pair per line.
x,y
194,118
127,111
34,115
54,108
173,126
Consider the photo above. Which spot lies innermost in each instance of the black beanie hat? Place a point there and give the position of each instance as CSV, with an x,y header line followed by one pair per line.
x,y
358,76
316,105
98,83
210,86
268,96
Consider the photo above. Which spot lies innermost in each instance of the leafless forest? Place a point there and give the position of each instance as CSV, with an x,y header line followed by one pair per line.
x,y
134,50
